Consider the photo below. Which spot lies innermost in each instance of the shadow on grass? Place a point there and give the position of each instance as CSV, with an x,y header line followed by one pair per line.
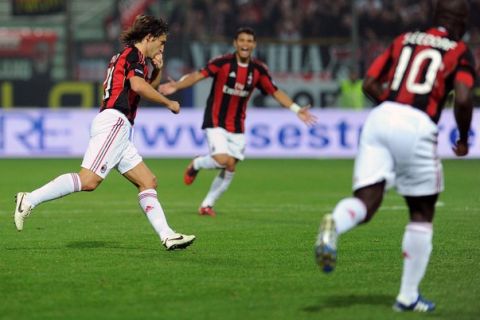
x,y
91,244
74,245
341,301
86,245
94,244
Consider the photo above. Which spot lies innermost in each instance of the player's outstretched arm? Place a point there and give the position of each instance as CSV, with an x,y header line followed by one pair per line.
x,y
146,91
305,115
186,81
463,109
302,112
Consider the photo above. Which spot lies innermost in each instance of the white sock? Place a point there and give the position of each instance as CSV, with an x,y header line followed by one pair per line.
x,y
59,187
219,185
205,162
218,180
416,246
154,212
348,213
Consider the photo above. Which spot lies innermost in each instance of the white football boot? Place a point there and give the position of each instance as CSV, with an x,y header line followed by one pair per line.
x,y
22,210
178,241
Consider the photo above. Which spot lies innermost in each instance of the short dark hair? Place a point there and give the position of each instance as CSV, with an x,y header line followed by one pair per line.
x,y
246,30
143,26
453,15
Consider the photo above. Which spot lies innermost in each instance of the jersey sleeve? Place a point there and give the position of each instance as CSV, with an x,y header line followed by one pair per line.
x,y
134,66
465,72
212,67
265,82
379,66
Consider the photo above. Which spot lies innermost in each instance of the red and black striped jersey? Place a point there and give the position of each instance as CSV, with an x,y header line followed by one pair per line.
x,y
420,69
233,84
117,93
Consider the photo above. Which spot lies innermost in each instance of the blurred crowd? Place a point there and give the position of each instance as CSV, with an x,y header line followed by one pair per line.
x,y
322,30
303,19
326,22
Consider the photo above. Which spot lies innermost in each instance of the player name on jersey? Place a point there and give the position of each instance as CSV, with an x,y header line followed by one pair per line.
x,y
430,40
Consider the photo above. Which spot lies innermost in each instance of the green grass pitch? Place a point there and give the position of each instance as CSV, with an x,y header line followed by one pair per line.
x,y
95,256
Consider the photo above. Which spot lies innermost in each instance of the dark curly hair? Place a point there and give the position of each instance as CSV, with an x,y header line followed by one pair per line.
x,y
143,26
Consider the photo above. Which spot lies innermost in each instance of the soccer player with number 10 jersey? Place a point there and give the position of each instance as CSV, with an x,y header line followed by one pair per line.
x,y
410,82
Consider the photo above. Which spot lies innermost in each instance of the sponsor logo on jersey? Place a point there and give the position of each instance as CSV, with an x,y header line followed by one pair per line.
x,y
235,92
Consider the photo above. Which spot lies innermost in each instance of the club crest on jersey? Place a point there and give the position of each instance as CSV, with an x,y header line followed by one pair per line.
x,y
249,79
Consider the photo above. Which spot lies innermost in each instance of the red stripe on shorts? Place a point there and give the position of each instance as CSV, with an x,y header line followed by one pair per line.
x,y
107,144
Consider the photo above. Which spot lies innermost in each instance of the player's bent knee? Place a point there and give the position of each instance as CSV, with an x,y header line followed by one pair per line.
x,y
228,163
90,185
149,183
89,180
153,182
231,165
222,160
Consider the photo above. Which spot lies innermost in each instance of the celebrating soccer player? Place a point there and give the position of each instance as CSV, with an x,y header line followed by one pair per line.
x,y
410,82
235,76
110,144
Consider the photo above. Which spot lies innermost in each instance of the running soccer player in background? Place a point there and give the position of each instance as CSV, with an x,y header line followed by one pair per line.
x,y
110,144
410,82
235,76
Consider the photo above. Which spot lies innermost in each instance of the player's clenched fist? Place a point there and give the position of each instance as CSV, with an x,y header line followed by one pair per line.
x,y
174,106
158,61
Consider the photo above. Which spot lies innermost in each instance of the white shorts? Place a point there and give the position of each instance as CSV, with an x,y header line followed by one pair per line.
x,y
399,144
110,144
220,141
